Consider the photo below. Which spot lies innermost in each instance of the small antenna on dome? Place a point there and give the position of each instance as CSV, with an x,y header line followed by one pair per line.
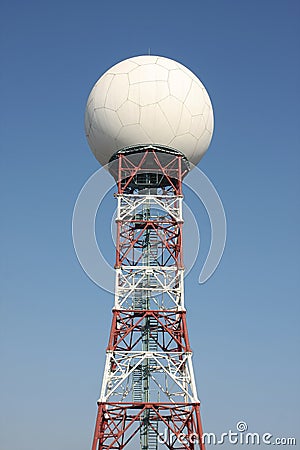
x,y
149,51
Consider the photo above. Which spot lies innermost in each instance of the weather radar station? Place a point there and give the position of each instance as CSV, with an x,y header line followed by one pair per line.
x,y
148,120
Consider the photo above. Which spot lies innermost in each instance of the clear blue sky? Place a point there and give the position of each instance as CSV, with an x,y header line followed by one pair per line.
x,y
244,322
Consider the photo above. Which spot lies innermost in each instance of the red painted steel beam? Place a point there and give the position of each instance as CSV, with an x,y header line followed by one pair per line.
x,y
171,323
180,420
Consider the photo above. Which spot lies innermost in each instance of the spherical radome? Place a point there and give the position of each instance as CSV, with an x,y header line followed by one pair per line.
x,y
149,100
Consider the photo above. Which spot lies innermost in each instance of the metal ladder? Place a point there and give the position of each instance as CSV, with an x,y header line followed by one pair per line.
x,y
152,340
149,429
149,440
154,249
137,394
152,435
137,299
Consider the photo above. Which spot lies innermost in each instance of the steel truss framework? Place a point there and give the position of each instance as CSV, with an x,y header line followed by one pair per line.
x,y
148,397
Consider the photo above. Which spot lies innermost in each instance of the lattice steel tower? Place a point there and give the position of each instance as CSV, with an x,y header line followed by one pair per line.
x,y
148,397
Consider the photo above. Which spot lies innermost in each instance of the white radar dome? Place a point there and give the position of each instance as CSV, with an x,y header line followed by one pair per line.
x,y
149,100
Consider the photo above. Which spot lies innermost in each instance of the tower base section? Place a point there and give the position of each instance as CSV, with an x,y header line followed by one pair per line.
x,y
167,426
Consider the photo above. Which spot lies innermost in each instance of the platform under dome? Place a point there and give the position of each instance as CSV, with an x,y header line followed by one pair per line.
x,y
149,100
